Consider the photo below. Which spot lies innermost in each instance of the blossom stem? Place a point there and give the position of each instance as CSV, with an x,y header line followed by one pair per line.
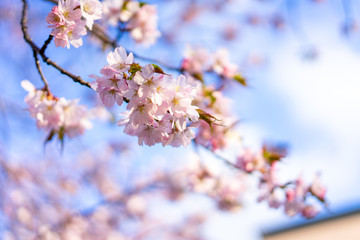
x,y
38,67
46,43
38,51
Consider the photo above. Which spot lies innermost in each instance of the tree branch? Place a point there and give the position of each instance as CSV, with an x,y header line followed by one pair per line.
x,y
105,38
37,63
46,43
98,32
38,51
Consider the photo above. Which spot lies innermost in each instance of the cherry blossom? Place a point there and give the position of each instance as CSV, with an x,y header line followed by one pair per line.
x,y
140,19
144,25
222,64
119,10
91,10
119,60
199,60
58,116
160,106
318,189
196,60
69,19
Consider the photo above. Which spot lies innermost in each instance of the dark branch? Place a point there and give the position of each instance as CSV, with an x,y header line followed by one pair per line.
x,y
46,43
38,67
106,39
226,161
38,51
98,32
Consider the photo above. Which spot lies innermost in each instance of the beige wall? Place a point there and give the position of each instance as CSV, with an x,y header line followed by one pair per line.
x,y
344,228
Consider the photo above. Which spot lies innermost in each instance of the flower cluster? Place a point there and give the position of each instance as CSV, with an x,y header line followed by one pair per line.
x,y
69,18
198,61
141,19
57,115
292,195
160,108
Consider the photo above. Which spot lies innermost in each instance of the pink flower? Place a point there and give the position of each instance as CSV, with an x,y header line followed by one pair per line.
x,y
68,27
119,10
109,96
91,10
70,9
56,115
142,114
309,211
55,18
144,25
149,134
151,85
119,60
181,98
178,139
318,189
75,32
196,61
222,65
76,118
249,162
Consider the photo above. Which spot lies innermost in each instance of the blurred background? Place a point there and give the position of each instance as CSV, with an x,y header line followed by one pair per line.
x,y
301,60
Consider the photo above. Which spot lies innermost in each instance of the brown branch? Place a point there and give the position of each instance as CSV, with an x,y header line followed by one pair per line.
x,y
37,63
77,79
98,32
24,27
105,38
225,160
38,51
46,43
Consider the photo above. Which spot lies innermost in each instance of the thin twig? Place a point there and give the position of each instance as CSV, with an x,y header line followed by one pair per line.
x,y
24,27
77,79
46,43
98,32
39,51
225,160
105,38
38,67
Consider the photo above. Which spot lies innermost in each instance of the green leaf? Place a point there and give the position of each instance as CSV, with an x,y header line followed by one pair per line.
x,y
49,137
208,118
274,153
240,79
209,93
134,68
61,135
142,3
198,76
158,69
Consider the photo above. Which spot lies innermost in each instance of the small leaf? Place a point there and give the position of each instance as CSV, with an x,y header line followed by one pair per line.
x,y
61,135
274,153
198,76
49,137
208,118
209,93
158,69
142,3
134,68
240,79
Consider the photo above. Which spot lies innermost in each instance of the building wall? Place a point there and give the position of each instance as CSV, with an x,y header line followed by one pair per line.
x,y
344,228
